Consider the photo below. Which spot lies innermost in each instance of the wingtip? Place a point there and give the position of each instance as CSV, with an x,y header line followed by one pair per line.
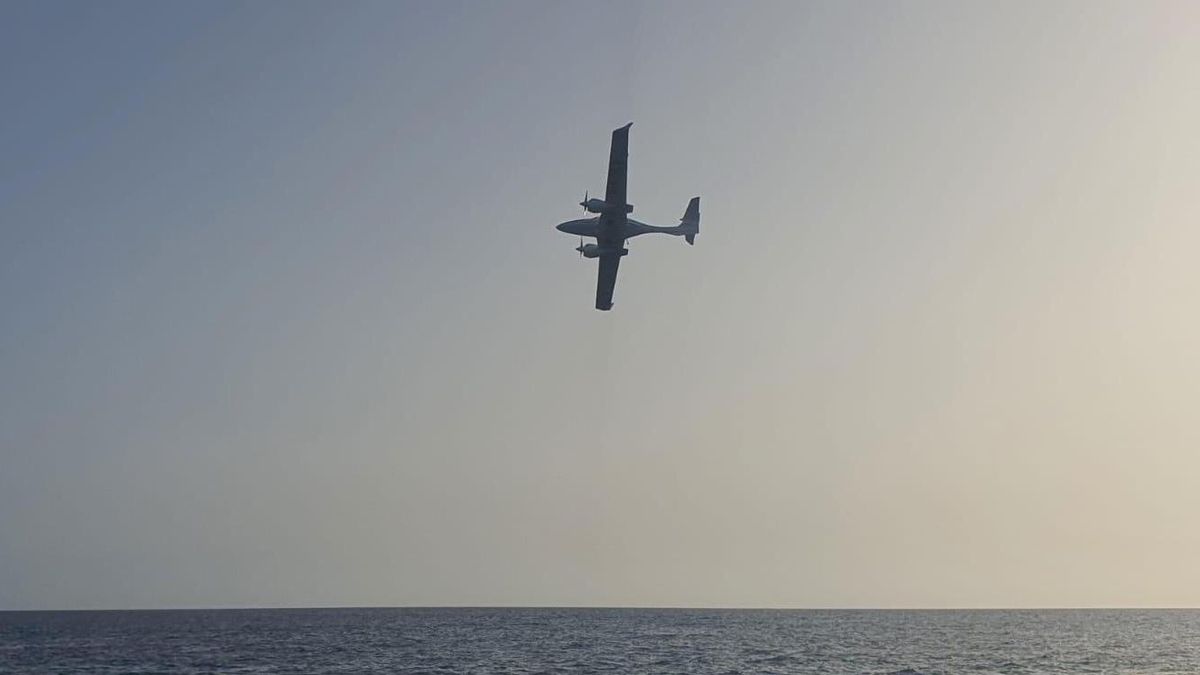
x,y
626,127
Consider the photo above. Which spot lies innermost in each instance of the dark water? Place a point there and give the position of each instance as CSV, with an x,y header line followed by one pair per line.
x,y
596,640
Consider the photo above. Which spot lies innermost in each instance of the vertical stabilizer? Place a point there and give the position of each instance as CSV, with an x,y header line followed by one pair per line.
x,y
690,222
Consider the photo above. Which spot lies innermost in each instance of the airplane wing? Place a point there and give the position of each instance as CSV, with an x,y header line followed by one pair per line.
x,y
607,280
612,225
618,167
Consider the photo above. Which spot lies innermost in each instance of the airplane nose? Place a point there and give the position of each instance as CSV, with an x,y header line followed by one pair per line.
x,y
561,227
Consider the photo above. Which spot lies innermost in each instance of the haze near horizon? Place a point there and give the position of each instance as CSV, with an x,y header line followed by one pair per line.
x,y
286,321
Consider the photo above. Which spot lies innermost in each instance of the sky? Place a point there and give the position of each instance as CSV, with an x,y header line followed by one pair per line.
x,y
286,322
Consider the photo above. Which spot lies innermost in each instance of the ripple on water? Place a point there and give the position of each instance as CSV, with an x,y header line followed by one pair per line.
x,y
1114,642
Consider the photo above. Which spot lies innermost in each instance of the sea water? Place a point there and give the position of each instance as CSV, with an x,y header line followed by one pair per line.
x,y
481,640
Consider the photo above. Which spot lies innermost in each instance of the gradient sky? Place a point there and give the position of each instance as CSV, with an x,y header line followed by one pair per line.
x,y
286,321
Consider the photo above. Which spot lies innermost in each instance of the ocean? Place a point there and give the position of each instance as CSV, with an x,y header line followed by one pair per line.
x,y
482,640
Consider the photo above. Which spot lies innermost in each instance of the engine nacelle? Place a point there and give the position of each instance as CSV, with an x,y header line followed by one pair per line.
x,y
600,206
595,251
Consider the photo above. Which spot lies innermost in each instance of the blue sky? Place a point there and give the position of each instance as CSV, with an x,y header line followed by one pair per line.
x,y
286,321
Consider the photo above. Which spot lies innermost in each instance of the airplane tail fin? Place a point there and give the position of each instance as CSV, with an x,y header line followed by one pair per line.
x,y
690,223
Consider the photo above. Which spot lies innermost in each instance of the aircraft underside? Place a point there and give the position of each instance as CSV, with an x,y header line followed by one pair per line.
x,y
590,227
613,226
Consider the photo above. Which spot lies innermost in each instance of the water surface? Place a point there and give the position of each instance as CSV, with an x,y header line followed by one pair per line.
x,y
601,640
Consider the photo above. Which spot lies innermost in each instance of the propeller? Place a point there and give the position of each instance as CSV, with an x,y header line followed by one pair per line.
x,y
585,201
580,249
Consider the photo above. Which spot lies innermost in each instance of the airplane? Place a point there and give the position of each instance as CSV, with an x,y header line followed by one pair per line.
x,y
613,225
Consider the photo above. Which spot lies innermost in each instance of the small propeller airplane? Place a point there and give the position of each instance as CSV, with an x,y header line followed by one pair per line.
x,y
613,225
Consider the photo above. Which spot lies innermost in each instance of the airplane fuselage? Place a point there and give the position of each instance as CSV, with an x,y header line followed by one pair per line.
x,y
591,227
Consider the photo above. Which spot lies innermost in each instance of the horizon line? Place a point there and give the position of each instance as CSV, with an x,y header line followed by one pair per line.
x,y
617,607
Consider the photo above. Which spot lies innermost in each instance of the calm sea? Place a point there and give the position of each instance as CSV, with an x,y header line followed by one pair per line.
x,y
600,640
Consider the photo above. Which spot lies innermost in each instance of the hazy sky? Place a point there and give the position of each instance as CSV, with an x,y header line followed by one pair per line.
x,y
286,321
